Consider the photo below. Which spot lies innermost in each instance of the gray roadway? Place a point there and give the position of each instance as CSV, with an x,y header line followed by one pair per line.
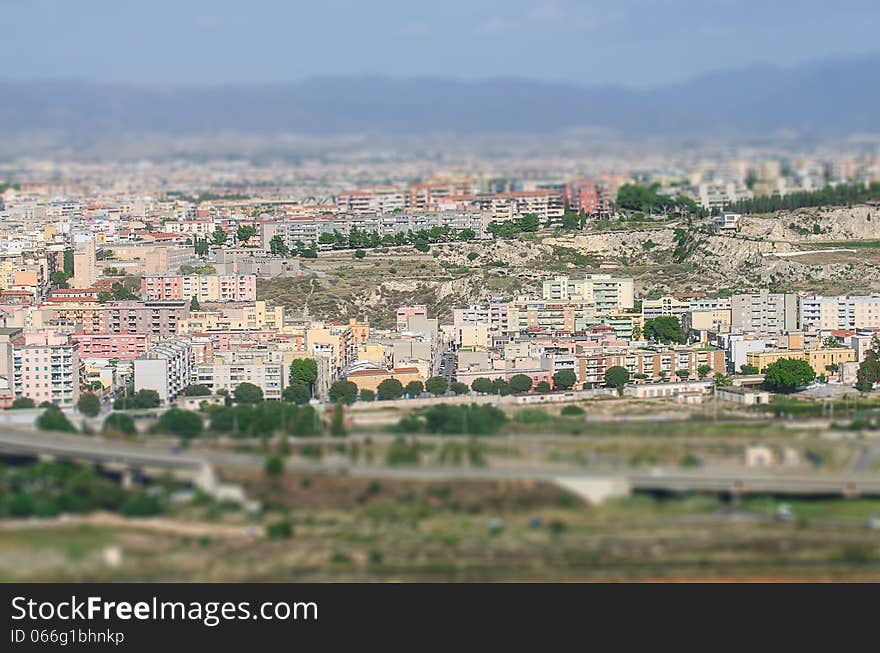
x,y
660,480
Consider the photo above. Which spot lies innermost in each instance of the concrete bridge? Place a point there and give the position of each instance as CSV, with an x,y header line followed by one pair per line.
x,y
132,460
128,460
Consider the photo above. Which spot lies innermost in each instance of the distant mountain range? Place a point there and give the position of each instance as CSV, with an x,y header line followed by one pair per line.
x,y
829,97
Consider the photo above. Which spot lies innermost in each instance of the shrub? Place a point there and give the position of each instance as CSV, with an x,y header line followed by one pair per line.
x,y
274,465
119,423
279,530
183,423
141,505
52,419
88,404
196,390
571,410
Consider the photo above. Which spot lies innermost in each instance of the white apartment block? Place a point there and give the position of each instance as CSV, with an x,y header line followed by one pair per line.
x,y
262,368
546,204
839,312
764,312
166,368
606,292
714,195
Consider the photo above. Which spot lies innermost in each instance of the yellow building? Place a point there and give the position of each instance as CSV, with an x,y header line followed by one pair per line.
x,y
374,353
818,359
370,379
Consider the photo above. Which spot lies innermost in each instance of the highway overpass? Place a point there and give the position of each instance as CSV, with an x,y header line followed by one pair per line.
x,y
594,485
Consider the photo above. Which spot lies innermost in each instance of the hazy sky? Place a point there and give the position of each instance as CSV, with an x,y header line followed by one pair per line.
x,y
633,42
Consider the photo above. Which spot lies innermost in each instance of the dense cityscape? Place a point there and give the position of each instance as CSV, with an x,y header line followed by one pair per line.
x,y
536,292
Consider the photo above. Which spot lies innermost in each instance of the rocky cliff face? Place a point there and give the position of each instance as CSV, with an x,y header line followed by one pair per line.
x,y
666,259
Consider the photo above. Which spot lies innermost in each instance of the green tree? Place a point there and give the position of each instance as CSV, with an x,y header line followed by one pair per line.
x,y
343,392
59,279
520,383
869,372
616,377
183,423
703,370
194,304
482,385
52,419
459,388
722,380
23,402
367,395
68,262
682,373
414,388
543,387
244,233
88,404
359,253
305,371
219,236
196,390
501,387
298,393
748,370
787,375
390,389
277,246
666,329
119,423
564,379
248,393
436,385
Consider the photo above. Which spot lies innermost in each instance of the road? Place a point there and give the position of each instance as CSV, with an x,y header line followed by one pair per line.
x,y
725,480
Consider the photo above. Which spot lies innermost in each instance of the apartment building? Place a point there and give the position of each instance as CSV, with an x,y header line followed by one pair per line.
x,y
333,342
568,315
667,305
764,312
124,346
547,204
719,195
85,264
159,318
308,229
839,312
204,287
195,228
608,293
264,368
373,199
587,197
493,315
650,365
46,367
248,317
166,368
428,196
406,312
